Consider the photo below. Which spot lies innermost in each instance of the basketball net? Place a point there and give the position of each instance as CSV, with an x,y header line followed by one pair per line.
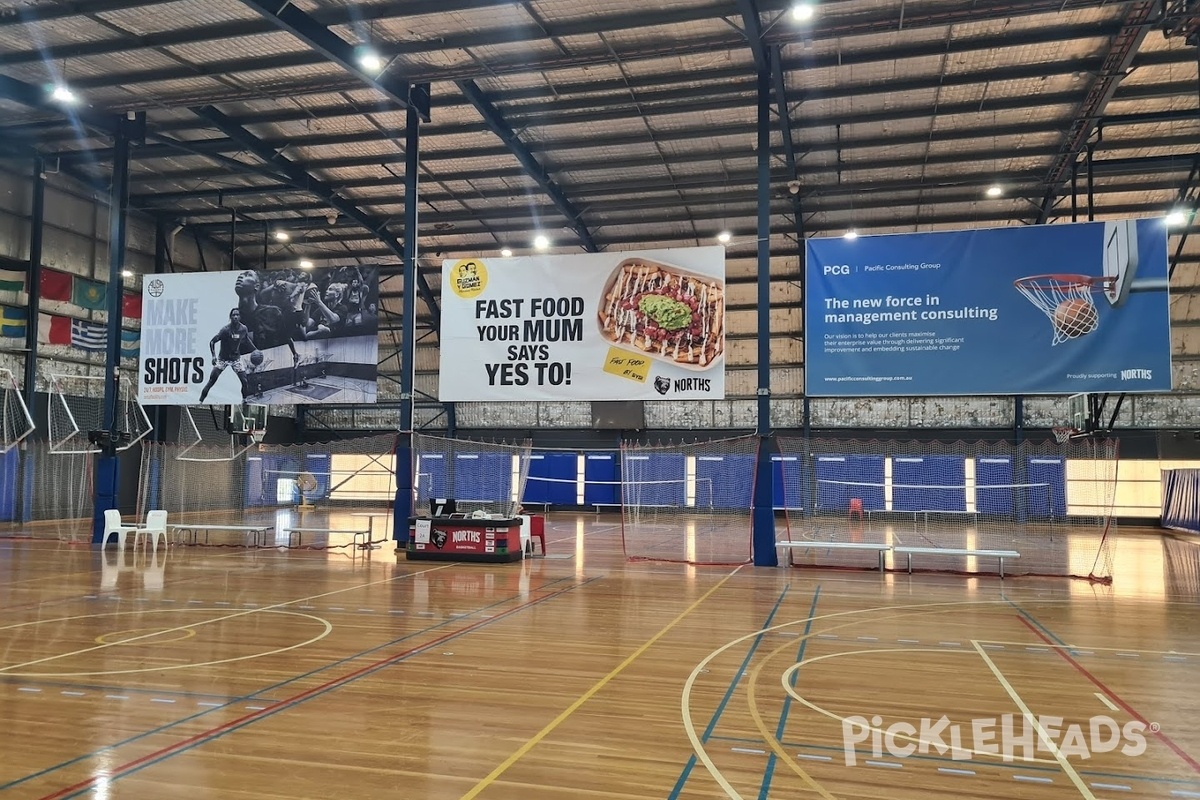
x,y
1066,300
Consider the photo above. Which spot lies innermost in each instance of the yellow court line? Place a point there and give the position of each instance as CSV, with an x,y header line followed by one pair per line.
x,y
218,619
1045,737
590,693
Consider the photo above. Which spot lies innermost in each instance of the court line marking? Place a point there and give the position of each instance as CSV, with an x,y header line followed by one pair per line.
x,y
234,615
503,766
914,609
328,628
681,781
1116,698
258,694
1103,698
1037,725
764,788
113,774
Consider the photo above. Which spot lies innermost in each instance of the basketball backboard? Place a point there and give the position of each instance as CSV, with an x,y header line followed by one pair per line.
x,y
1120,259
247,417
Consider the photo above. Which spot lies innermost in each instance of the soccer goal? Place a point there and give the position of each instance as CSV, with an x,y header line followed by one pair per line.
x,y
76,407
18,423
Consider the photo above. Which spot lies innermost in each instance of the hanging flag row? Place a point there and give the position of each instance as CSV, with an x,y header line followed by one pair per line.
x,y
53,329
67,287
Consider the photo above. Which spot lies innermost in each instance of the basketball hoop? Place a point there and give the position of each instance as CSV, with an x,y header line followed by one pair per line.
x,y
1063,434
1066,300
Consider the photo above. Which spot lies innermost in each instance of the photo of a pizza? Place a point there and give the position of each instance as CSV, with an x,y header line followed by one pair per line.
x,y
665,311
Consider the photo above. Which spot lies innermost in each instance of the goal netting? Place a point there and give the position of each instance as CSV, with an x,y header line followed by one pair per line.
x,y
688,502
487,477
1050,502
76,407
18,422
353,485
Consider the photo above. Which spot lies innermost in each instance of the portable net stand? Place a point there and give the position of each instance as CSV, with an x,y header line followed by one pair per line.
x,y
18,423
76,408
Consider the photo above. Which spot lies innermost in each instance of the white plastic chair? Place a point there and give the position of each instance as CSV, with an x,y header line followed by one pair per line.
x,y
156,526
113,525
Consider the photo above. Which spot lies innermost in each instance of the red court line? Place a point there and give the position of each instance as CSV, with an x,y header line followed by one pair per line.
x,y
200,738
1179,751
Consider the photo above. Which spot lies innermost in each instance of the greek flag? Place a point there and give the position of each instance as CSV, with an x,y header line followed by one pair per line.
x,y
88,335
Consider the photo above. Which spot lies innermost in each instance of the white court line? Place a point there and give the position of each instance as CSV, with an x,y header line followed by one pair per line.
x,y
1045,737
234,615
1114,787
810,757
950,771
1103,698
749,750
1032,779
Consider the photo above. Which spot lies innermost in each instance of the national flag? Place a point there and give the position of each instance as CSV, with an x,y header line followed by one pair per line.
x,y
13,322
131,343
88,335
53,329
131,306
56,285
13,274
89,294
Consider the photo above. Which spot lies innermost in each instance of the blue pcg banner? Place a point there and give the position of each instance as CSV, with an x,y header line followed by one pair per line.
x,y
1045,309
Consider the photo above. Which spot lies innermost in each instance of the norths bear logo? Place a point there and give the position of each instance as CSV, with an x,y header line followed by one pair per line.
x,y
662,385
439,539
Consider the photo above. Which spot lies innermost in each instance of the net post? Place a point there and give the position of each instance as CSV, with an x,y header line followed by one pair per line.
x,y
402,507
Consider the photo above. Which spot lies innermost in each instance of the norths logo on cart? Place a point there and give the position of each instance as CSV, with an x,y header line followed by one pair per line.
x,y
1012,737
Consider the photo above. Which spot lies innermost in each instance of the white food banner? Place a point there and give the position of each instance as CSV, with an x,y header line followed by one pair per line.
x,y
644,325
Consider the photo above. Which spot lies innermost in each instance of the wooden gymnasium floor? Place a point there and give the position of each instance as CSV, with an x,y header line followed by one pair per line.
x,y
232,673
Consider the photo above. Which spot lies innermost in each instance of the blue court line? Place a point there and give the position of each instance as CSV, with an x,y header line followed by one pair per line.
x,y
273,687
337,683
128,689
769,772
1033,621
712,723
997,763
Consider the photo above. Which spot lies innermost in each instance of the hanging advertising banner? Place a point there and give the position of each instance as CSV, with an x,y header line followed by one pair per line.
x,y
270,337
1040,309
595,326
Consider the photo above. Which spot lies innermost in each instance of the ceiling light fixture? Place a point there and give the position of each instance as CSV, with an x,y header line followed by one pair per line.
x,y
305,264
126,273
803,12
506,253
724,236
370,61
62,94
281,236
541,242
994,190
850,234
1176,218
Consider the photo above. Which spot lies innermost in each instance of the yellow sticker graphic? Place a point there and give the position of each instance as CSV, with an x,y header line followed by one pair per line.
x,y
627,365
468,278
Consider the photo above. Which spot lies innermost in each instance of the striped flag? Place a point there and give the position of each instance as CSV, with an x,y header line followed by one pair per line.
x,y
54,330
88,335
13,274
131,342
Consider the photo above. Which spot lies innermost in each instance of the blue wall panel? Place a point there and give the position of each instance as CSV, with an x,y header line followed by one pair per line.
x,y
562,471
602,479
836,476
787,481
724,481
994,471
916,481
654,479
1050,498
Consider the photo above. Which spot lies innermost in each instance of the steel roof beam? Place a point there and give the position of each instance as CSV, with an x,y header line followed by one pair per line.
x,y
336,49
36,98
1117,62
28,14
529,163
753,31
301,179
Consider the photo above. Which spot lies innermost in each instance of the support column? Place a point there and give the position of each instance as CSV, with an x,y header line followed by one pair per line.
x,y
107,477
37,217
402,509
764,511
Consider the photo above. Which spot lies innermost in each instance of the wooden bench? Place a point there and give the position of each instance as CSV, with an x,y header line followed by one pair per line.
x,y
194,529
299,533
806,544
956,551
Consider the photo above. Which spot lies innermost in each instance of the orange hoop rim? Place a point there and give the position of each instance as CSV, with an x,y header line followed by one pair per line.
x,y
1091,281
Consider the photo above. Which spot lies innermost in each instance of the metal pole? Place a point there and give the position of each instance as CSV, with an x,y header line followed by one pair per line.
x,y
107,476
1075,191
37,217
1091,184
408,328
764,512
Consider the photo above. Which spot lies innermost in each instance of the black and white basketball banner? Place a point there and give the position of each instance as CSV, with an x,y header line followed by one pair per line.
x,y
274,337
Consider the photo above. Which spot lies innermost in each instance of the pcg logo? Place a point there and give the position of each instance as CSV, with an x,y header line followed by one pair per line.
x,y
836,269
